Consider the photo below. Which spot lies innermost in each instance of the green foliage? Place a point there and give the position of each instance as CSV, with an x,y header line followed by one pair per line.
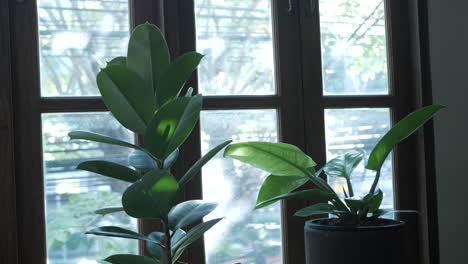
x,y
142,91
291,169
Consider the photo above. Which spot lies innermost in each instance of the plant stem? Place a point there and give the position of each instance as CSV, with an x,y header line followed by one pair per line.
x,y
166,256
350,187
376,180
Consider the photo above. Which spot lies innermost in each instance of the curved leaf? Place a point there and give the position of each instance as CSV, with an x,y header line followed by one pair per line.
x,y
174,78
189,212
83,135
373,201
315,195
169,161
343,166
155,249
404,128
114,231
131,259
274,186
152,196
110,210
201,162
316,209
118,61
172,125
279,159
193,235
124,94
110,169
148,54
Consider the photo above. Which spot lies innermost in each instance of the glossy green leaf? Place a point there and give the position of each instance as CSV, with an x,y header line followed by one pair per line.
x,y
148,54
316,209
355,203
195,169
174,78
177,236
193,235
110,169
169,161
124,94
131,259
121,61
373,201
274,186
189,212
315,195
82,135
279,159
155,249
110,210
172,125
404,128
114,231
152,196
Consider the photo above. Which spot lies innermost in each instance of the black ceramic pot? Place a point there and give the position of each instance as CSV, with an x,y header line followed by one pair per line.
x,y
326,244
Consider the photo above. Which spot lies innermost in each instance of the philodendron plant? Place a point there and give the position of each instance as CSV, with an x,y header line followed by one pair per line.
x,y
143,91
290,169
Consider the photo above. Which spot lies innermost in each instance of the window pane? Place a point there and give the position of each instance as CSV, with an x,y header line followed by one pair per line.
x,y
354,53
244,236
236,37
71,196
348,129
76,38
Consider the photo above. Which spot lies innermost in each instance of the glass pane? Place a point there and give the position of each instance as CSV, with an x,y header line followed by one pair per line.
x,y
236,37
71,196
354,53
245,236
76,38
348,129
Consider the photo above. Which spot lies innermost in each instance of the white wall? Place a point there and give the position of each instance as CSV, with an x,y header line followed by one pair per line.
x,y
448,27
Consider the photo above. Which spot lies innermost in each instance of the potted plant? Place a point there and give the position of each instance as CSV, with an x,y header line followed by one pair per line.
x,y
143,91
357,231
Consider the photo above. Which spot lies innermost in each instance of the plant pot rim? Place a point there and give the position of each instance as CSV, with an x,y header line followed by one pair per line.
x,y
313,224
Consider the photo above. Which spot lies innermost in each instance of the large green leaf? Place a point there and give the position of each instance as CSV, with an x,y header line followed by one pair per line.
x,y
373,201
316,195
114,231
118,61
193,235
125,95
316,209
174,78
189,212
131,259
110,169
148,54
274,186
109,210
172,125
279,159
397,133
201,162
83,135
152,196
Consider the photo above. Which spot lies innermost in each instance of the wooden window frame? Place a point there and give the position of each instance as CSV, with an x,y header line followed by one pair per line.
x,y
297,51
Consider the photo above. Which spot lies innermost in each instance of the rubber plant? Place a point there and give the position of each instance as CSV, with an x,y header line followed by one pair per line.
x,y
143,91
290,168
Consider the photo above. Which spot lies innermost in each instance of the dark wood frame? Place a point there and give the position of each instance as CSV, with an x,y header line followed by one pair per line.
x,y
297,51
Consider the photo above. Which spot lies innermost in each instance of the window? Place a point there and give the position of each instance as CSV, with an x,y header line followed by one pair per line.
x,y
325,75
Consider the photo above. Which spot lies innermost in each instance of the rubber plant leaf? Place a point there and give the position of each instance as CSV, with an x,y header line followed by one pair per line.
x,y
315,194
274,186
152,196
114,231
171,125
133,259
110,169
316,209
125,95
189,212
